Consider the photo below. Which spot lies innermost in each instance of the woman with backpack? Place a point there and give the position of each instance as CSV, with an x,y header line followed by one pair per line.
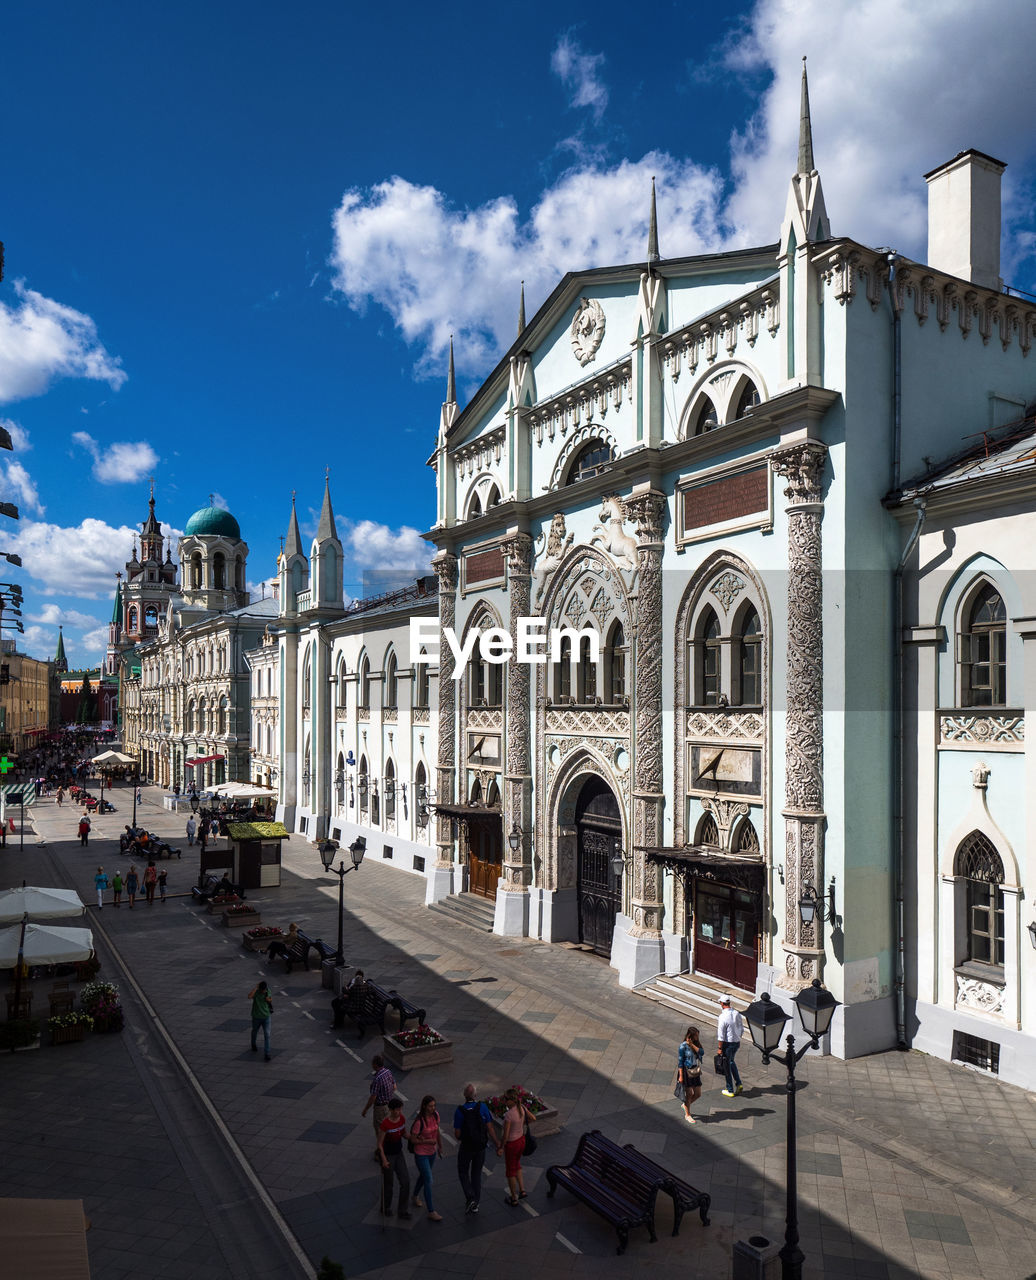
x,y
426,1144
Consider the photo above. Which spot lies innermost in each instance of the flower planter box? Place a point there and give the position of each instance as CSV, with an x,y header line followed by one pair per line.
x,y
74,1034
242,920
425,1055
547,1122
217,908
259,944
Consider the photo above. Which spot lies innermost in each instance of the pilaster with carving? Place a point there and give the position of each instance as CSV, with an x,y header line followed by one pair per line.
x,y
647,511
445,565
802,467
518,765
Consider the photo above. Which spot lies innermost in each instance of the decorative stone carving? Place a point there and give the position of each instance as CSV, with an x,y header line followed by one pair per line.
x,y
490,719
725,812
518,764
982,997
445,565
587,329
802,467
1005,730
727,587
980,776
594,722
547,560
609,533
726,726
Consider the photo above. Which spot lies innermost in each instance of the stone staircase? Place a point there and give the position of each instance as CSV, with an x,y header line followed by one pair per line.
x,y
694,995
469,909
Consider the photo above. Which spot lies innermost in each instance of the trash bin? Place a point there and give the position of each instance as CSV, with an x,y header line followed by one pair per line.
x,y
756,1259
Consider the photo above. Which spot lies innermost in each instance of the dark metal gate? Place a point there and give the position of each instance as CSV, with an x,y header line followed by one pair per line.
x,y
600,833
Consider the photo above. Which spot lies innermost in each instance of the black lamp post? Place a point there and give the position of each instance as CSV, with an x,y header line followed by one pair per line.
x,y
195,802
766,1022
136,784
328,849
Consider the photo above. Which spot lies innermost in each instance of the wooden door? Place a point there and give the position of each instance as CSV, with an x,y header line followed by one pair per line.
x,y
726,934
485,854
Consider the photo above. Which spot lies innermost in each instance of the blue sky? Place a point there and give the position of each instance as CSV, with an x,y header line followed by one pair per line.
x,y
238,236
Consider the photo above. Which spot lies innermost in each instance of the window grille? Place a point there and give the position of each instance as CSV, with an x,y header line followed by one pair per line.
x,y
975,1052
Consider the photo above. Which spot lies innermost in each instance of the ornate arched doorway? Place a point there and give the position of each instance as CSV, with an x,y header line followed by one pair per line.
x,y
598,835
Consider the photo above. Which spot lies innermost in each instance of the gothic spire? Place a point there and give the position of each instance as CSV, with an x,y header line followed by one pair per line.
x,y
806,164
117,607
521,311
293,542
652,248
451,379
326,528
60,661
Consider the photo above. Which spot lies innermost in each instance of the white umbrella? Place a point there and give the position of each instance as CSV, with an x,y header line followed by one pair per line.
x,y
39,903
112,757
244,791
44,944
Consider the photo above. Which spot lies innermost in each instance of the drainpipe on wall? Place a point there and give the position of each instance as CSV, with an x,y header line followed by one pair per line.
x,y
898,833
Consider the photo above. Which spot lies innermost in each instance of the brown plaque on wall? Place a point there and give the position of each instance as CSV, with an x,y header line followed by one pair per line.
x,y
733,497
483,566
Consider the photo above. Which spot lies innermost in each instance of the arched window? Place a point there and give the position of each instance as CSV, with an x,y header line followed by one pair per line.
x,y
983,651
239,574
708,832
563,671
747,840
365,685
615,664
748,670
390,790
979,865
196,570
492,497
593,457
474,507
705,419
340,781
705,659
587,675
391,693
343,691
307,680
222,728
151,617
421,795
133,618
475,794
421,684
492,795
219,571
363,786
748,399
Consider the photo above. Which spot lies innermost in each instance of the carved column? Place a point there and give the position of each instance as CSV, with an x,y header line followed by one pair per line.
x,y
445,565
646,511
802,466
518,763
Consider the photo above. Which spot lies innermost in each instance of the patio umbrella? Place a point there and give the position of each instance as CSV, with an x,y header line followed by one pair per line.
x,y
39,903
112,757
43,944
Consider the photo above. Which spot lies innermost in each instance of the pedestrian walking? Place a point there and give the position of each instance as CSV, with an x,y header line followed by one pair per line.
x,y
161,883
132,884
688,1071
426,1140
150,881
84,831
516,1117
472,1127
203,835
140,796
100,884
192,828
214,829
383,1086
729,1030
262,1013
391,1132
117,889
61,797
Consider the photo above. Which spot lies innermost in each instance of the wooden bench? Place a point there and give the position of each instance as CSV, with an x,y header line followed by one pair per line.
x,y
206,892
324,952
685,1197
407,1012
605,1177
367,1007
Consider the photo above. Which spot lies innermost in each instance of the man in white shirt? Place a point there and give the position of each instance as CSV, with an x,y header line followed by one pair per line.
x,y
729,1030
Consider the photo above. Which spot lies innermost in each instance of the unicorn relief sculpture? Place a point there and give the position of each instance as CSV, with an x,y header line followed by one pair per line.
x,y
609,533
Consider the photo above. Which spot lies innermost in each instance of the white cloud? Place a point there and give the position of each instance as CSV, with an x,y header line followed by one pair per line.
x,y
41,340
372,546
53,615
436,269
16,478
405,248
19,436
579,72
81,560
120,463
89,649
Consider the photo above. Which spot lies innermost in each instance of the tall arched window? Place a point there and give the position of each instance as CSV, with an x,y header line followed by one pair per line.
x,y
593,457
391,692
705,419
421,684
363,787
222,726
978,864
708,832
421,795
151,617
219,571
239,574
748,669
588,681
343,691
474,507
615,664
196,570
983,651
747,843
563,671
307,680
365,685
705,658
133,618
390,789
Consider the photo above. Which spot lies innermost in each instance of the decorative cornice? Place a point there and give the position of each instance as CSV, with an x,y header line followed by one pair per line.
x,y
479,454
585,402
705,338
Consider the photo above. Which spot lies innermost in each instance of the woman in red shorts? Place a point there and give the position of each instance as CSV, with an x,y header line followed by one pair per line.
x,y
516,1117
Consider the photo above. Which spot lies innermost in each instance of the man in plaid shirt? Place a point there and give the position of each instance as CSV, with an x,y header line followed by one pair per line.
x,y
383,1086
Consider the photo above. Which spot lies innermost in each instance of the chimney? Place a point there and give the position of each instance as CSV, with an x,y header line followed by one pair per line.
x,y
964,218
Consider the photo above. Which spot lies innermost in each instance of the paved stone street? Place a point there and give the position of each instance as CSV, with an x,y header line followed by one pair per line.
x,y
193,1155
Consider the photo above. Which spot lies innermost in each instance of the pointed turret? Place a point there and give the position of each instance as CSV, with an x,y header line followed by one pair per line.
x,y
451,379
293,571
653,255
60,661
326,558
806,164
521,311
293,542
326,527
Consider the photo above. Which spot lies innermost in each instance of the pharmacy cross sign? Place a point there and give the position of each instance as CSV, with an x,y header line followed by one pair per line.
x,y
6,765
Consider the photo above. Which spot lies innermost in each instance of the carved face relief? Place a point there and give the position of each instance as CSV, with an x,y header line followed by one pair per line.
x,y
587,329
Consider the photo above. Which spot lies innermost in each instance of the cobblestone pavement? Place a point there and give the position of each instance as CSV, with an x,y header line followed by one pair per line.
x,y
191,1152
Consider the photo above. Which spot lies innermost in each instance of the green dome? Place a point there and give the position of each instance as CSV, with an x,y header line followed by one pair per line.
x,y
213,520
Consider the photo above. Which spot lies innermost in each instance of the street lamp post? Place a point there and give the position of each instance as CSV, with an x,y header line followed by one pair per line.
x,y
328,849
766,1021
136,784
